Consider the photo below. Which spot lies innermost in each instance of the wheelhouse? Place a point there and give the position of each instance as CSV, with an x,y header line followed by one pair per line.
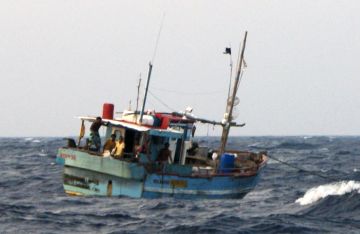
x,y
159,128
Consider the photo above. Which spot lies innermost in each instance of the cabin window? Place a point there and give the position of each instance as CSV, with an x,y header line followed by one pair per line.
x,y
129,141
118,132
178,151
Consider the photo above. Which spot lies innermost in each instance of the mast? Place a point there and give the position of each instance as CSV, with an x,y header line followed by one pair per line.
x,y
137,99
230,106
228,51
146,91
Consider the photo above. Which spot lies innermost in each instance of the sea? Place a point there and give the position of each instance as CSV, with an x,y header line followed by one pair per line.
x,y
311,184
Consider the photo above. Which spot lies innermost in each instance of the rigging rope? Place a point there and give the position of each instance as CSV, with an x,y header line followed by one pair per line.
x,y
189,93
302,169
159,100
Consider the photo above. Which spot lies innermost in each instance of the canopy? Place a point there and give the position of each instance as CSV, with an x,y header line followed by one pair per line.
x,y
153,131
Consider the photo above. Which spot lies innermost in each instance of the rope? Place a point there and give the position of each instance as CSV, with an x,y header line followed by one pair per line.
x,y
302,169
158,99
158,37
189,93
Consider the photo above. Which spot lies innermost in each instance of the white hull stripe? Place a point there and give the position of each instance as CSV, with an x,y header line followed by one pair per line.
x,y
196,192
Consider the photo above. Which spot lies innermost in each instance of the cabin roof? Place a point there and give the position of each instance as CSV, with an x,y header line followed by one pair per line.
x,y
141,128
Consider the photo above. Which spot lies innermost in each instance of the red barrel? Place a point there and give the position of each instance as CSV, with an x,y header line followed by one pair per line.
x,y
108,111
165,122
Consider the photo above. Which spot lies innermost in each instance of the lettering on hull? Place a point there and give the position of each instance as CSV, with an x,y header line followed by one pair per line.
x,y
178,183
172,183
81,182
68,156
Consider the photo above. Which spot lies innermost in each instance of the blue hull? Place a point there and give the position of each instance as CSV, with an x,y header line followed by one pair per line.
x,y
84,182
86,174
157,186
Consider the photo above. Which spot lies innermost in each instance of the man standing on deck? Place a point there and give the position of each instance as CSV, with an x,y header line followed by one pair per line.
x,y
164,154
118,151
109,145
94,134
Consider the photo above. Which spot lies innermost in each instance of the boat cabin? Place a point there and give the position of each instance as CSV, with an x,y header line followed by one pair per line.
x,y
143,142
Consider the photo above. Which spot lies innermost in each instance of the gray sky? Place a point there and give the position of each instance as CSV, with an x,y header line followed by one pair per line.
x,y
60,59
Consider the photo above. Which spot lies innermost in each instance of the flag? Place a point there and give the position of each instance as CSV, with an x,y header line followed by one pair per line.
x,y
82,130
227,50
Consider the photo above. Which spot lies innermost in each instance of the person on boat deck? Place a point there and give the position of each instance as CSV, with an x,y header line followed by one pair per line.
x,y
137,147
94,134
109,145
144,148
193,130
193,149
164,154
118,151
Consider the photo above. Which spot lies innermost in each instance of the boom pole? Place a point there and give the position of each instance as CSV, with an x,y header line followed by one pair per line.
x,y
230,107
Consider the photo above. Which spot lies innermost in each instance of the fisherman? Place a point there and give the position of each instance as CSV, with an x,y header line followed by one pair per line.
x,y
118,151
145,146
193,149
94,134
193,130
164,154
137,147
109,145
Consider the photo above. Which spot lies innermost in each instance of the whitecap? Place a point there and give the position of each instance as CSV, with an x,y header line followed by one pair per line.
x,y
29,139
42,154
324,149
254,144
36,141
333,189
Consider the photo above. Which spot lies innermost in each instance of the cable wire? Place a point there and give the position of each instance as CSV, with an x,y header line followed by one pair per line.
x,y
159,100
189,93
301,169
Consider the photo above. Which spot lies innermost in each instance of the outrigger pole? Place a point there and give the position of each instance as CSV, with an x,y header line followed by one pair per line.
x,y
230,106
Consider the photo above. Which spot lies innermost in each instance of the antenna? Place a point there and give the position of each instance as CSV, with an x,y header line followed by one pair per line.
x,y
150,70
158,37
137,96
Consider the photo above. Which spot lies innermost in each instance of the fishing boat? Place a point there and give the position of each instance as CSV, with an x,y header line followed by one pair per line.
x,y
188,171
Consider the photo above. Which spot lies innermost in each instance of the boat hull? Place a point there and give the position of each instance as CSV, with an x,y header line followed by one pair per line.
x,y
86,174
157,186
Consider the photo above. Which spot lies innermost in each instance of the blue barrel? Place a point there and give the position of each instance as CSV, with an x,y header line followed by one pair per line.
x,y
227,163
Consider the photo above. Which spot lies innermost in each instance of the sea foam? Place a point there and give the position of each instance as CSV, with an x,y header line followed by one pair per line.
x,y
322,191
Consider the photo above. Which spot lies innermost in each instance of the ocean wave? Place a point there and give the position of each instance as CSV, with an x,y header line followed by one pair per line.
x,y
343,152
32,194
296,145
333,189
43,153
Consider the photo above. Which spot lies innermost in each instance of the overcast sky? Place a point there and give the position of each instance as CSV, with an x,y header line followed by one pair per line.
x,y
61,59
